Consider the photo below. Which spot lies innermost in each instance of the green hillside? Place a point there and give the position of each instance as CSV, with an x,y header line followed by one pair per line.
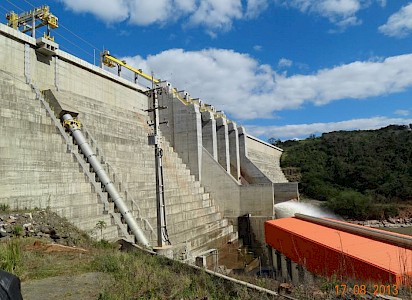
x,y
361,174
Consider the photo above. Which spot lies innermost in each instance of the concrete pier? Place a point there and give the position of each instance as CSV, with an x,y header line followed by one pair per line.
x,y
222,135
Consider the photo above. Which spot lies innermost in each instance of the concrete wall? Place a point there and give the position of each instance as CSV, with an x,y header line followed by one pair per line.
x,y
67,72
113,111
223,187
257,199
223,163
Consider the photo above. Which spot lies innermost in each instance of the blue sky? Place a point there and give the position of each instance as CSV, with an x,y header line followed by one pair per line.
x,y
284,69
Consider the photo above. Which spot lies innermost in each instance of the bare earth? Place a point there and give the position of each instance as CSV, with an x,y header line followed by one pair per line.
x,y
84,286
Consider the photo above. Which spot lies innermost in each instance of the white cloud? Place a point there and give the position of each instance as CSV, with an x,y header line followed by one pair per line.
x,y
301,131
143,12
212,14
257,47
245,89
399,24
402,112
217,14
111,11
255,7
340,12
285,63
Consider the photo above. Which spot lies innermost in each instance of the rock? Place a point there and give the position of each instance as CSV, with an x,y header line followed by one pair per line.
x,y
3,233
54,236
373,222
11,221
318,295
286,287
29,215
47,229
392,220
27,226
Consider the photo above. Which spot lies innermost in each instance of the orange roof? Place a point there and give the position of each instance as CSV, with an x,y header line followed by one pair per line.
x,y
394,259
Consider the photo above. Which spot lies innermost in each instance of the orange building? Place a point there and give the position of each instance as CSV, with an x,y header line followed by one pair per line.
x,y
327,251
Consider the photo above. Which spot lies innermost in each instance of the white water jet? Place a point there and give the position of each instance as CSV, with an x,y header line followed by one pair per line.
x,y
290,208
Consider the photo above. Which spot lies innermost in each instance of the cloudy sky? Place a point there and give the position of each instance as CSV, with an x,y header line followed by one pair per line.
x,y
284,69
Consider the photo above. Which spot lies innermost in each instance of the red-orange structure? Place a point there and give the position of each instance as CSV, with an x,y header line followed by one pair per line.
x,y
326,251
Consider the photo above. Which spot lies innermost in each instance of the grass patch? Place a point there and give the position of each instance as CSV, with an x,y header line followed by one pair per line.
x,y
4,207
141,276
10,255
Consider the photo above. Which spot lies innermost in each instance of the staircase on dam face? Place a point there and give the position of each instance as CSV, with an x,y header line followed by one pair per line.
x,y
193,220
38,171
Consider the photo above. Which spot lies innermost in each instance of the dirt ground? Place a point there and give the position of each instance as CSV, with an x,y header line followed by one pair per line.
x,y
84,286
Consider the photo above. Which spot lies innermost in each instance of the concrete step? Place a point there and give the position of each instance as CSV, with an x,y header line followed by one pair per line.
x,y
33,142
34,155
17,95
8,164
93,105
91,222
80,211
49,200
149,203
206,229
31,126
188,220
36,189
29,113
171,209
213,240
111,232
41,176
106,125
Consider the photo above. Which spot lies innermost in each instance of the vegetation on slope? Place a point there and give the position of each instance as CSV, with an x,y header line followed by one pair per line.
x,y
361,174
127,275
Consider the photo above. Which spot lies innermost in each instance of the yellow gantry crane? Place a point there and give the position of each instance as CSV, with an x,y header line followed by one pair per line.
x,y
111,61
28,21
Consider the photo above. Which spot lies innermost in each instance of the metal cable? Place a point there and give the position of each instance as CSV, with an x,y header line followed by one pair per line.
x,y
19,8
74,44
5,9
66,39
64,27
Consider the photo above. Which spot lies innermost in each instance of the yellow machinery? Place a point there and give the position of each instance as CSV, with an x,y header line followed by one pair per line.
x,y
27,21
111,61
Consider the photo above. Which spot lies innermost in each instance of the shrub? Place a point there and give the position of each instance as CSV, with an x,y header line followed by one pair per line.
x,y
351,204
4,207
18,230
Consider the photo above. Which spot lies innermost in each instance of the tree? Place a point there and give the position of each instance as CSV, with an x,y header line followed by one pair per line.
x,y
100,225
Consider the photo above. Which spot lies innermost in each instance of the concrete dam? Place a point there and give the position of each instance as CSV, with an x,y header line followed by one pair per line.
x,y
214,171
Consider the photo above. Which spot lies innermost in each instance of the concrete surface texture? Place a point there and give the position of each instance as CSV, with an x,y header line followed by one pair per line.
x,y
212,168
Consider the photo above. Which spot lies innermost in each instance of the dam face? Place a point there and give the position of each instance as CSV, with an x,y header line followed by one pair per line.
x,y
214,171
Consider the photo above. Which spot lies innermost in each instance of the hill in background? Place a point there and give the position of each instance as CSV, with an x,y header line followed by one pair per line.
x,y
361,174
